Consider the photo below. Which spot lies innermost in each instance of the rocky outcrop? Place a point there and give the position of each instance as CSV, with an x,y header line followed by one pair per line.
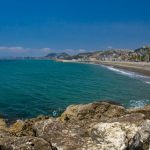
x,y
99,125
145,110
24,143
93,112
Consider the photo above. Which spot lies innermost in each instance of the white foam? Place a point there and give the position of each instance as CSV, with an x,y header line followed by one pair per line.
x,y
121,71
147,82
138,103
130,74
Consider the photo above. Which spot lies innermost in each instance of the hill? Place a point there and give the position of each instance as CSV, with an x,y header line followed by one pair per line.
x,y
58,56
140,54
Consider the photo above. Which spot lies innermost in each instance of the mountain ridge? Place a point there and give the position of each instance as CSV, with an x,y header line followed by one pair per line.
x,y
139,54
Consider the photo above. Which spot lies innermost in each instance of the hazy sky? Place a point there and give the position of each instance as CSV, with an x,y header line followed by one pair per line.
x,y
36,27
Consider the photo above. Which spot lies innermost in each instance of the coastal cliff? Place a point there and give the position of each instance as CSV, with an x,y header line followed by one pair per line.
x,y
93,126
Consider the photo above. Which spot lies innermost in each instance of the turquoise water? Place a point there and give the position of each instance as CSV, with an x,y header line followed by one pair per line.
x,y
32,87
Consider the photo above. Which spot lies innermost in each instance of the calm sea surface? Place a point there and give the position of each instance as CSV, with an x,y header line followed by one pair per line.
x,y
32,87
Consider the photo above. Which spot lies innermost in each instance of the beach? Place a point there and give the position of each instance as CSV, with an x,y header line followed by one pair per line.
x,y
142,68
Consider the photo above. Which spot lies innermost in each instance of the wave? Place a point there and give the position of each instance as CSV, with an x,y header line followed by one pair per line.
x,y
145,79
147,82
138,103
121,71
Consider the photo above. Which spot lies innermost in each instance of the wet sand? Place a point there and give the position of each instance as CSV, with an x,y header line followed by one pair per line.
x,y
142,68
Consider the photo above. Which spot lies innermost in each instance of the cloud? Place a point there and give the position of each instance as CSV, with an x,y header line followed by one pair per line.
x,y
16,49
46,50
109,47
74,51
23,51
69,51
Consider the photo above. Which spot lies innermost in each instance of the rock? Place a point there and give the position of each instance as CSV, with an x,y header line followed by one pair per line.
x,y
62,136
135,143
24,143
136,118
93,111
109,127
24,128
17,127
4,132
2,124
103,136
113,136
99,125
114,111
141,140
144,110
144,132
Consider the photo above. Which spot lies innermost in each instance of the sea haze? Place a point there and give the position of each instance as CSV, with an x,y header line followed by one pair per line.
x,y
32,87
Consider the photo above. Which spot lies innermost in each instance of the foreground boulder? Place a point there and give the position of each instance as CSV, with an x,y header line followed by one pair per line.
x,y
121,136
24,143
103,136
92,111
99,125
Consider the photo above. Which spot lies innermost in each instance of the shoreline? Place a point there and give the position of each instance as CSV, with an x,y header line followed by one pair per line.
x,y
106,63
140,68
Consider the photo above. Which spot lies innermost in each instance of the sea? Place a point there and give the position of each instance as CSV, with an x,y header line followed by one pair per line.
x,y
29,88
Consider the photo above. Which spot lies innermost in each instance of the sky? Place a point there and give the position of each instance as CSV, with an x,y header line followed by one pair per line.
x,y
38,27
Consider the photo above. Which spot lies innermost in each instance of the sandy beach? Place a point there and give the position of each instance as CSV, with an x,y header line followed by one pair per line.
x,y
142,68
